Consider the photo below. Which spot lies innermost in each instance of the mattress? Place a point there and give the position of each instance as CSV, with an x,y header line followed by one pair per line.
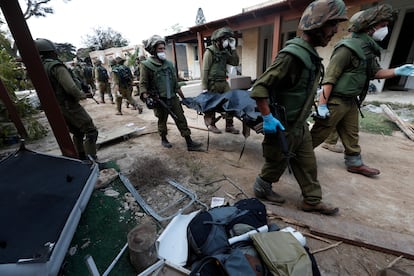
x,y
42,198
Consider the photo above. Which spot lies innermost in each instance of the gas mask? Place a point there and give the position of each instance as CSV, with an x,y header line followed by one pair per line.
x,y
162,56
380,34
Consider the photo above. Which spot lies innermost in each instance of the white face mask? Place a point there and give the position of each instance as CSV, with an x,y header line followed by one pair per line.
x,y
162,56
225,43
380,34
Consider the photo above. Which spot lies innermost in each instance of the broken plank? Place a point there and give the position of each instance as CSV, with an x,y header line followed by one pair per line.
x,y
405,127
336,228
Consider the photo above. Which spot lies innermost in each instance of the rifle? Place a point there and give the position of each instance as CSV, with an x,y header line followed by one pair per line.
x,y
163,104
90,96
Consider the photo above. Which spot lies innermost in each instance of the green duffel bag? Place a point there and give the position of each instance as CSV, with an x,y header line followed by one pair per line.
x,y
282,253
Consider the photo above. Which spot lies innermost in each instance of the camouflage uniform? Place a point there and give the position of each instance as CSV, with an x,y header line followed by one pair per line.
x,y
68,95
279,76
101,75
149,84
214,77
88,74
158,80
352,64
123,90
291,82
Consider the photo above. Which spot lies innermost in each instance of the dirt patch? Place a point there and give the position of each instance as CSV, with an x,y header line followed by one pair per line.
x,y
383,202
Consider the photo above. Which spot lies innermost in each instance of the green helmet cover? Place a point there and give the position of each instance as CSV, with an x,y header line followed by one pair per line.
x,y
45,45
319,12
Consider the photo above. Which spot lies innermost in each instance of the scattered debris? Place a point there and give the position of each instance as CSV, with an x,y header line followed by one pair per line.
x,y
404,126
236,186
326,248
395,261
106,176
110,192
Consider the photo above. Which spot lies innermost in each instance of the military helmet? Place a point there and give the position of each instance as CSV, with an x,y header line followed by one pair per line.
x,y
98,62
320,11
119,60
45,45
152,42
112,62
366,19
222,32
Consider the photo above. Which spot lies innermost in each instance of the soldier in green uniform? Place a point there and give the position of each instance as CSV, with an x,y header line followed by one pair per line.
x,y
214,76
158,80
291,83
88,74
352,65
101,75
122,84
331,143
68,95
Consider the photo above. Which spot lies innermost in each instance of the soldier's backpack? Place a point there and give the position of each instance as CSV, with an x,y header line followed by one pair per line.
x,y
124,75
88,72
208,233
102,74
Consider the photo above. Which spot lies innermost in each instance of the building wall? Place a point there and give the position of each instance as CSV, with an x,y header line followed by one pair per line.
x,y
249,56
193,63
108,54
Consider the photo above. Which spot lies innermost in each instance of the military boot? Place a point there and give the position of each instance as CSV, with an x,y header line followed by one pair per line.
x,y
191,145
263,190
230,127
139,108
165,142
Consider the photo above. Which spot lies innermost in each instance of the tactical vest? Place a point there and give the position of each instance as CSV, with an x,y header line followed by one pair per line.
x,y
353,81
61,96
217,70
102,73
164,81
294,98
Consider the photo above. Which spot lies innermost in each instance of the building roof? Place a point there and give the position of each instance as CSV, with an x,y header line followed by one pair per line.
x,y
252,16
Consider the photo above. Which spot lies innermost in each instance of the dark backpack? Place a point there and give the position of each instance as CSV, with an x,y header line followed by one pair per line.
x,y
79,82
102,74
88,72
208,234
124,75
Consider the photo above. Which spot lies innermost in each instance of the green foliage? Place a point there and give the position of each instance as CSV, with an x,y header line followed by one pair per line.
x,y
36,8
12,76
8,69
132,58
66,51
5,43
102,39
376,123
34,129
83,53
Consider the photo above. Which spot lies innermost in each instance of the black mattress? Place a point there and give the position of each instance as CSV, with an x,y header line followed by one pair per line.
x,y
37,195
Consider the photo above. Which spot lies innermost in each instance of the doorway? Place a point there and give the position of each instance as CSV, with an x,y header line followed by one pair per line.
x,y
404,54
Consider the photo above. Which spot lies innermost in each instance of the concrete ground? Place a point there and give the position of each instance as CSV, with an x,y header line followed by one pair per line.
x,y
402,97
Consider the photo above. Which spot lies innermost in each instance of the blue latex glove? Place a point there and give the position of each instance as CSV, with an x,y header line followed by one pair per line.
x,y
271,124
406,70
323,111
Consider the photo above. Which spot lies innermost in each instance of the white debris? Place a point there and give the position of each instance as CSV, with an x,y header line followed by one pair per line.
x,y
111,193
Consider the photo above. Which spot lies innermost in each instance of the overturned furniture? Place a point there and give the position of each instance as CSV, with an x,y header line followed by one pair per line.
x,y
41,199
